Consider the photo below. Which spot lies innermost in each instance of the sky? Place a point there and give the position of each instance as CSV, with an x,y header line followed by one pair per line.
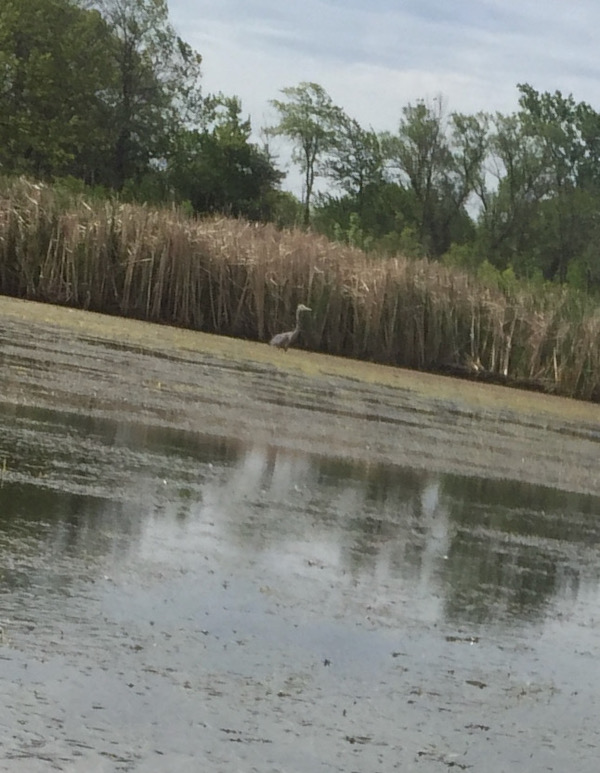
x,y
373,57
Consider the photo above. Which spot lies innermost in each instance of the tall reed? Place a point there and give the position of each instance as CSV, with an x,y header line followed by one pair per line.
x,y
235,278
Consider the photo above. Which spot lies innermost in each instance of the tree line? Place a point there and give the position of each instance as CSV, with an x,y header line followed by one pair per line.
x,y
104,93
519,193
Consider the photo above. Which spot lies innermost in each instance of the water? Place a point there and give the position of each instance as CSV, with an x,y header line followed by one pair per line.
x,y
166,598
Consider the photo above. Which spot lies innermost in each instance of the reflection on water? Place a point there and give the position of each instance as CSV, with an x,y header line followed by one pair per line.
x,y
447,548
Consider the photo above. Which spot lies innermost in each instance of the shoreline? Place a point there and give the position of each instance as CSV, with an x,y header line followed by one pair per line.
x,y
127,370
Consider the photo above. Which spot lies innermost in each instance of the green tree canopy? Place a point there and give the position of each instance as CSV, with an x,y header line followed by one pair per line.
x,y
441,162
355,160
309,119
157,89
55,69
218,168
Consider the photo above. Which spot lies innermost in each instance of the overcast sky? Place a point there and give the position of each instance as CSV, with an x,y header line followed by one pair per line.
x,y
375,56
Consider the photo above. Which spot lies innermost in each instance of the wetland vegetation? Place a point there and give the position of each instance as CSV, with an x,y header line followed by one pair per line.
x,y
236,278
209,548
455,243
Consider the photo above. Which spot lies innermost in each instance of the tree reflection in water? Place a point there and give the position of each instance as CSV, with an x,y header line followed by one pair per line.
x,y
456,548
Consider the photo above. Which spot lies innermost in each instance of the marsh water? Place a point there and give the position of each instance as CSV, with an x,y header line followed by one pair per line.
x,y
169,601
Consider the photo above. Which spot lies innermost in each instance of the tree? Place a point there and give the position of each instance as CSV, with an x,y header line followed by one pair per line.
x,y
354,164
54,71
441,162
95,92
540,217
158,86
218,169
355,159
308,118
569,134
510,207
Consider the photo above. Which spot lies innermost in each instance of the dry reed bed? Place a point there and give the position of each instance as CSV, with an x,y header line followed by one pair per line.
x,y
235,278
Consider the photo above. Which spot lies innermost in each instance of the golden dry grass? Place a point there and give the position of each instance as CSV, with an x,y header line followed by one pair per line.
x,y
244,280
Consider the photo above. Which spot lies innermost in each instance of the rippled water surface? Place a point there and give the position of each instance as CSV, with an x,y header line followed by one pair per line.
x,y
170,602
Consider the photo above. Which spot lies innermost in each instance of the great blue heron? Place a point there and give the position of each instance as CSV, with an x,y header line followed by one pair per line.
x,y
284,340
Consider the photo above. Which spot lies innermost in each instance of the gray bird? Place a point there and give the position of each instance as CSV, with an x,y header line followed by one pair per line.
x,y
284,340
